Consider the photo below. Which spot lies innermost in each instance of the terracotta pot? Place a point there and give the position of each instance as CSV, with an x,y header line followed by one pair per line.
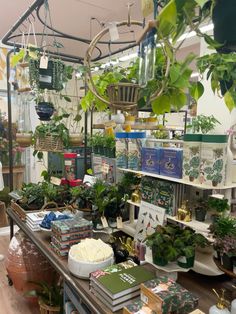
x,y
24,139
25,263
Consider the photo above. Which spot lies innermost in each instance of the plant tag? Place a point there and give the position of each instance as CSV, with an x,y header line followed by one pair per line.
x,y
119,222
105,168
55,181
43,62
113,30
104,222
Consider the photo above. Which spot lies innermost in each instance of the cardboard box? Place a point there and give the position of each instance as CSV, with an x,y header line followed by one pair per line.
x,y
137,307
164,296
171,162
151,160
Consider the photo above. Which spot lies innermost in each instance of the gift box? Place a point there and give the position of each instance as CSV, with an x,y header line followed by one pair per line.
x,y
171,161
165,296
150,159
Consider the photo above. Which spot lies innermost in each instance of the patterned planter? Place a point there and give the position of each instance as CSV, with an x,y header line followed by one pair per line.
x,y
191,157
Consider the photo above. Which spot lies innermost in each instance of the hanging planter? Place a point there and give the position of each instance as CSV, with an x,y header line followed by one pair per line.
x,y
44,110
123,95
24,139
223,17
49,143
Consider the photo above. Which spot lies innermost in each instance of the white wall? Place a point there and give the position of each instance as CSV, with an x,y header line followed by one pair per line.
x,y
210,104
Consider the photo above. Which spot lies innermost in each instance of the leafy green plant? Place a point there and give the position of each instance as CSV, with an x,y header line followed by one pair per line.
x,y
203,124
161,134
110,75
49,294
31,194
220,70
218,205
223,226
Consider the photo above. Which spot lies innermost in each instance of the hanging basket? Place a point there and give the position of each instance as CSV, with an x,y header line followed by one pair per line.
x,y
49,143
123,95
24,139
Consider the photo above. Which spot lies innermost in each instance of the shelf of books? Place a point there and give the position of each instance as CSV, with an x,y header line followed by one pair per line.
x,y
158,176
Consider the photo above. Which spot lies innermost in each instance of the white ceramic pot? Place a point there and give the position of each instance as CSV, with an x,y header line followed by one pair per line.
x,y
83,269
118,118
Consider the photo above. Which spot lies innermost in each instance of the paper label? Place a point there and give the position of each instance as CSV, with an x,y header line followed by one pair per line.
x,y
144,298
113,30
105,168
55,181
119,222
104,222
68,162
43,62
45,79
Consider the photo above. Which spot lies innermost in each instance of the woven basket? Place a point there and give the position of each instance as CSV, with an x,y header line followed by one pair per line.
x,y
123,95
46,309
49,143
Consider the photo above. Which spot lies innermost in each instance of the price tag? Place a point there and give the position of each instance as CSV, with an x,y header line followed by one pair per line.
x,y
55,181
104,222
113,30
119,222
43,62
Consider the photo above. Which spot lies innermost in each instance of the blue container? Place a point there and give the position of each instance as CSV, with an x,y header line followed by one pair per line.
x,y
151,160
135,143
171,161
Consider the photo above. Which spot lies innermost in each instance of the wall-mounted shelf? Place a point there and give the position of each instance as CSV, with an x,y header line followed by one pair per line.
x,y
199,186
141,127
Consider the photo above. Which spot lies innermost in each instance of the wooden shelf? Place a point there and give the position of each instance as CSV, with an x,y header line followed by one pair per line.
x,y
140,127
199,186
194,224
226,271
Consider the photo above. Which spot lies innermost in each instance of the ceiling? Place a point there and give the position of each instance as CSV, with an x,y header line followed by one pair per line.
x,y
79,18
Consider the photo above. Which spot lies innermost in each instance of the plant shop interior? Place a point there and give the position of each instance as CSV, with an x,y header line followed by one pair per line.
x,y
118,157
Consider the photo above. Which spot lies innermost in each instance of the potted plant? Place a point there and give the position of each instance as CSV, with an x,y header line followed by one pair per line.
x,y
203,124
109,145
50,297
52,136
200,208
218,206
44,107
162,244
226,247
223,226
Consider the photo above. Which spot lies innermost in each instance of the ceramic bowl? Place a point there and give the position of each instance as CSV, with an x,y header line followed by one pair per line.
x,y
82,269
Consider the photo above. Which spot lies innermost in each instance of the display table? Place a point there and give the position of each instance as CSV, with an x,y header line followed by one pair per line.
x,y
76,289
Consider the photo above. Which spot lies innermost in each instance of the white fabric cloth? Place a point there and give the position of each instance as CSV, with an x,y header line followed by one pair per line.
x,y
1,178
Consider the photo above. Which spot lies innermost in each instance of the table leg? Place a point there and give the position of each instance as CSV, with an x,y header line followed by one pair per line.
x,y
11,227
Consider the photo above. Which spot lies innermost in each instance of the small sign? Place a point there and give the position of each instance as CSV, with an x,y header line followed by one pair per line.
x,y
104,222
89,180
43,62
105,168
55,181
119,222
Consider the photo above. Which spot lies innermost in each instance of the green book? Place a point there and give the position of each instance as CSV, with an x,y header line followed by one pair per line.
x,y
123,282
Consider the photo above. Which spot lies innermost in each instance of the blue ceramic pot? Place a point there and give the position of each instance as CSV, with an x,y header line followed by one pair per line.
x,y
44,110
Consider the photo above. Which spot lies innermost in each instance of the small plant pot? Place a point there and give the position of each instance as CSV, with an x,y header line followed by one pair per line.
x,y
95,150
200,214
214,183
75,140
101,150
24,139
112,153
217,255
44,110
186,262
157,260
106,151
227,262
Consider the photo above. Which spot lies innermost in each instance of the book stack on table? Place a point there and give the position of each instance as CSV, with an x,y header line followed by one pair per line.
x,y
118,285
33,220
66,233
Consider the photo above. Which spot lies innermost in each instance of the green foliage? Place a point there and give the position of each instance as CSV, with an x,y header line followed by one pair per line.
x,y
223,226
49,294
219,205
203,124
220,70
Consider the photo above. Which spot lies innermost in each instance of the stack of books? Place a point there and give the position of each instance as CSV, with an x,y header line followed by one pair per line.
x,y
66,233
33,220
118,285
